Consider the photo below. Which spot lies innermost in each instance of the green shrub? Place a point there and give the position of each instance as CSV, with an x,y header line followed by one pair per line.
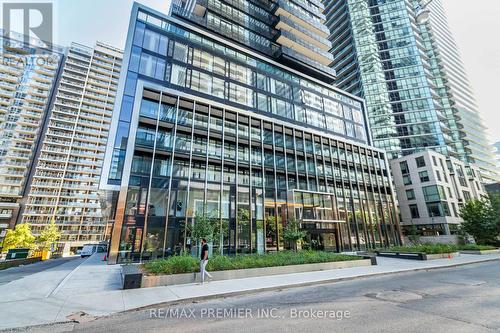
x,y
427,248
476,247
173,265
188,264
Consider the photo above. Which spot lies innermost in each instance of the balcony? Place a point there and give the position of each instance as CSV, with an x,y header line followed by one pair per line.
x,y
284,9
294,42
286,23
308,66
253,40
5,215
304,5
269,33
267,5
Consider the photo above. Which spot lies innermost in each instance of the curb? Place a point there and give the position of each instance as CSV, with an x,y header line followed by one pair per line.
x,y
30,327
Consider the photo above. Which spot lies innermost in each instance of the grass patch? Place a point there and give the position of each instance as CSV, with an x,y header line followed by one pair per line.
x,y
189,264
424,248
476,247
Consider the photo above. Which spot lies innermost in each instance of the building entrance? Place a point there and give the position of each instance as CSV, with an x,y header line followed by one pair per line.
x,y
318,215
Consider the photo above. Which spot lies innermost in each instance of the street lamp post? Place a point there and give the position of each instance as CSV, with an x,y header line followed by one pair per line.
x,y
423,13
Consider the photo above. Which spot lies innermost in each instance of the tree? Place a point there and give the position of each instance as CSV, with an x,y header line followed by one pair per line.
x,y
413,235
292,233
204,227
20,237
481,219
495,205
270,227
48,236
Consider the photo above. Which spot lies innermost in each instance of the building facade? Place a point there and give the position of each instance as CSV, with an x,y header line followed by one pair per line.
x,y
417,93
494,188
457,97
431,188
225,108
28,74
64,185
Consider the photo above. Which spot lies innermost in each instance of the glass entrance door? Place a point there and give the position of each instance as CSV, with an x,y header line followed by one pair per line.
x,y
323,240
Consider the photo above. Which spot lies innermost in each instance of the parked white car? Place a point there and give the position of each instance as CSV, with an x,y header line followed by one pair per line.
x,y
88,250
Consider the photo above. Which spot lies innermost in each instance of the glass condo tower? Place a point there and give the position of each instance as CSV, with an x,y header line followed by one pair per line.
x,y
417,93
226,108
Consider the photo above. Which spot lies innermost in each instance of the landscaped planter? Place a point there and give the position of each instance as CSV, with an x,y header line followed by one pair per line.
x,y
172,279
495,251
416,255
18,262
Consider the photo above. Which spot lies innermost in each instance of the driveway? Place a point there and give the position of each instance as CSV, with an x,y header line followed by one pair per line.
x,y
15,273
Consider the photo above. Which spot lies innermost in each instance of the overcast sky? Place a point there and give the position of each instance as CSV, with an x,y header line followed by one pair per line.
x,y
475,24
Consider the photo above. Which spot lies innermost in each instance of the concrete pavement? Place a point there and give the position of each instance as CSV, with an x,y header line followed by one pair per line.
x,y
94,287
43,297
459,299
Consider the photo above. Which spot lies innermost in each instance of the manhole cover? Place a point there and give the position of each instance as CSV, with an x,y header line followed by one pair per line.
x,y
397,296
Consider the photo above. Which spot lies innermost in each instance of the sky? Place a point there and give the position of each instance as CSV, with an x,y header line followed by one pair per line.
x,y
475,28
108,24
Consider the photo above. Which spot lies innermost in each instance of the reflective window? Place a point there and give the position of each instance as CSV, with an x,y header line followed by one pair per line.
x,y
420,161
145,136
180,52
215,148
122,135
126,109
183,142
178,75
414,211
149,108
240,94
424,176
117,162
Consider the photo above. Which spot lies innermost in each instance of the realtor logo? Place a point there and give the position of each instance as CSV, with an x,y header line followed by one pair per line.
x,y
33,20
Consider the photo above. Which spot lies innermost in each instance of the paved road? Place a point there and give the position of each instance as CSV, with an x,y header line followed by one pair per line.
x,y
462,299
15,273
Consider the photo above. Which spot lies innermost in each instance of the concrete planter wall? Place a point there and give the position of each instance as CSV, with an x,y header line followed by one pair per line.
x,y
441,239
167,280
441,256
416,255
480,252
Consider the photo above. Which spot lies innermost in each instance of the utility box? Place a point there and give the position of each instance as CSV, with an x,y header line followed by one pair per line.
x,y
132,276
46,255
17,254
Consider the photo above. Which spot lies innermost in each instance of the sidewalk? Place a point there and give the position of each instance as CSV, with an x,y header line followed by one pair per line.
x,y
94,287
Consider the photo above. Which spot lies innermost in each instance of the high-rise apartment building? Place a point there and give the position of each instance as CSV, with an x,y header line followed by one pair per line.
x,y
495,187
64,184
226,108
455,92
28,74
411,76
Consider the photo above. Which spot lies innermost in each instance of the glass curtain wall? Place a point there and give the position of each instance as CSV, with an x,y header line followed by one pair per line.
x,y
192,158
